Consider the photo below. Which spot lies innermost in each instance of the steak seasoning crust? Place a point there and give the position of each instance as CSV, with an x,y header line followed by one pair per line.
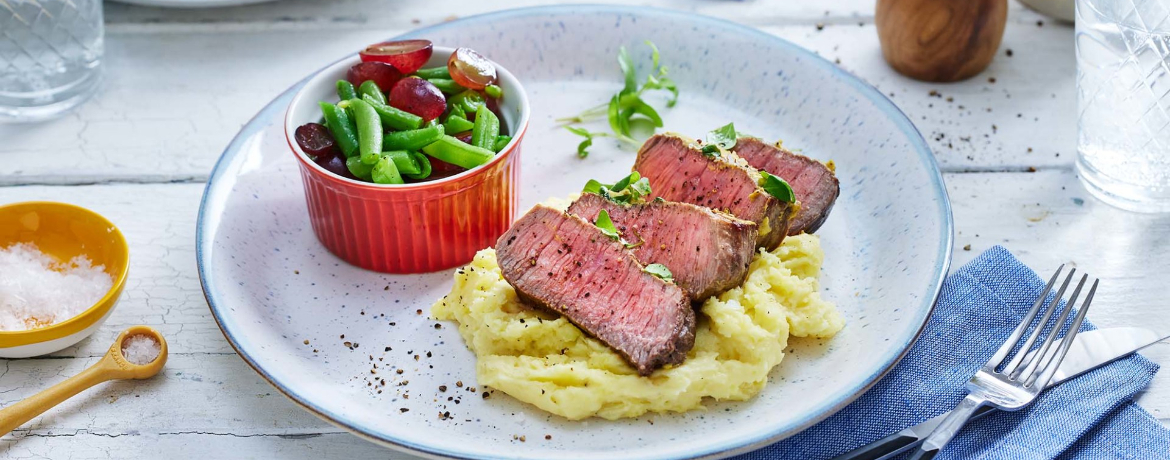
x,y
679,171
814,183
566,264
708,252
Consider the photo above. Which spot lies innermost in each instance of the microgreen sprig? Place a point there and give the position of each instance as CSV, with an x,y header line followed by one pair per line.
x,y
660,271
632,189
777,187
720,139
627,104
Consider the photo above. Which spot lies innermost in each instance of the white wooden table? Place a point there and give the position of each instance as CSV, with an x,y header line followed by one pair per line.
x,y
179,83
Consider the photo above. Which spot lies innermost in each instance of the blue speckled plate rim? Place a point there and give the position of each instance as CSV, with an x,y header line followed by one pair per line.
x,y
735,446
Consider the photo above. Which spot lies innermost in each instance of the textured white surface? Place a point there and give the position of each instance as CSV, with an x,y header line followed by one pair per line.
x,y
165,115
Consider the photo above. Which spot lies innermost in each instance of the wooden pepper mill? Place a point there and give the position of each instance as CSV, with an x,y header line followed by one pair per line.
x,y
940,40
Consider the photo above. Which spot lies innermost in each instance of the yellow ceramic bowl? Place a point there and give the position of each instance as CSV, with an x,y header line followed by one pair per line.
x,y
64,231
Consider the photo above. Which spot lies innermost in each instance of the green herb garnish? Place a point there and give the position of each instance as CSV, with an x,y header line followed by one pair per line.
x,y
720,140
627,105
602,222
660,271
777,187
632,189
582,148
724,137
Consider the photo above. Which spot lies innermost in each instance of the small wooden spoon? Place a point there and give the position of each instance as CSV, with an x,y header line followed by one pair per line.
x,y
940,40
112,366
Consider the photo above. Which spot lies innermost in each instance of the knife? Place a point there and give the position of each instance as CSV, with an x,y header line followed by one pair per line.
x,y
1090,350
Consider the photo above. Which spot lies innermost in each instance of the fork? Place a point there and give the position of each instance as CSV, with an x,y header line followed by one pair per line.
x,y
1013,384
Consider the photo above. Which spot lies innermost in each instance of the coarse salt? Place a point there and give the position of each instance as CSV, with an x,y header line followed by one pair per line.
x,y
37,291
140,349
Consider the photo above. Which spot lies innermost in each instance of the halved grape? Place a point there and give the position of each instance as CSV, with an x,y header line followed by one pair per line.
x,y
383,75
405,55
465,137
314,139
470,69
334,163
441,169
419,97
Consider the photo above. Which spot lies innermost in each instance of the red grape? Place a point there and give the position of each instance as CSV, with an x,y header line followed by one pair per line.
x,y
470,69
463,136
334,163
406,55
441,169
314,139
384,75
419,97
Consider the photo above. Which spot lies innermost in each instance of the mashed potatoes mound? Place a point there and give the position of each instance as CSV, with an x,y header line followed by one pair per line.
x,y
544,360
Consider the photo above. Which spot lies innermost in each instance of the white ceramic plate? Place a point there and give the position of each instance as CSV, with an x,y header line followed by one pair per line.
x,y
271,286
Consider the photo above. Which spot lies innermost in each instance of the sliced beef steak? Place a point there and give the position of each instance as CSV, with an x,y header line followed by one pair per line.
x,y
815,185
679,171
708,252
567,265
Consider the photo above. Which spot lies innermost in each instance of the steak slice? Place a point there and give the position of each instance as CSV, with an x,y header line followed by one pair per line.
x,y
707,252
679,171
815,185
563,263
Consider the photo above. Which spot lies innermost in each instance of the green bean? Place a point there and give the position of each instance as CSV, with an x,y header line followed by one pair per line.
x,y
446,85
424,165
486,128
345,90
358,169
454,151
433,72
369,130
370,88
455,111
493,91
433,122
394,118
341,127
469,100
413,139
385,172
403,161
458,125
501,142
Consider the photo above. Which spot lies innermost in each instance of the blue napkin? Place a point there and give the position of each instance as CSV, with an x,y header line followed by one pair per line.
x,y
1090,417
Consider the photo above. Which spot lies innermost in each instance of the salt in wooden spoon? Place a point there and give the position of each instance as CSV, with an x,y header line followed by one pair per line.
x,y
112,366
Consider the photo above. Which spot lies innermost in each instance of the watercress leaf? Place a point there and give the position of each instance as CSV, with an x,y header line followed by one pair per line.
x,y
620,185
614,113
724,136
653,53
641,107
777,187
627,66
660,271
593,186
583,147
669,85
579,131
711,150
640,188
602,222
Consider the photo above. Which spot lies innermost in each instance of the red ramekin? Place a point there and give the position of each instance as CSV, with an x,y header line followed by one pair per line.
x,y
410,228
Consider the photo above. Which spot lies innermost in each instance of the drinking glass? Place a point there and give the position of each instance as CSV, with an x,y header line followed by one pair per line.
x,y
1123,101
50,56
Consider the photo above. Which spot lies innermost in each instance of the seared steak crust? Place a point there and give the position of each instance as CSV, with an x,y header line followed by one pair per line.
x,y
708,252
679,171
815,185
564,263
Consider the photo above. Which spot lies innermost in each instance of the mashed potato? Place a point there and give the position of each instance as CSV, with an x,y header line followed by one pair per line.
x,y
544,360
